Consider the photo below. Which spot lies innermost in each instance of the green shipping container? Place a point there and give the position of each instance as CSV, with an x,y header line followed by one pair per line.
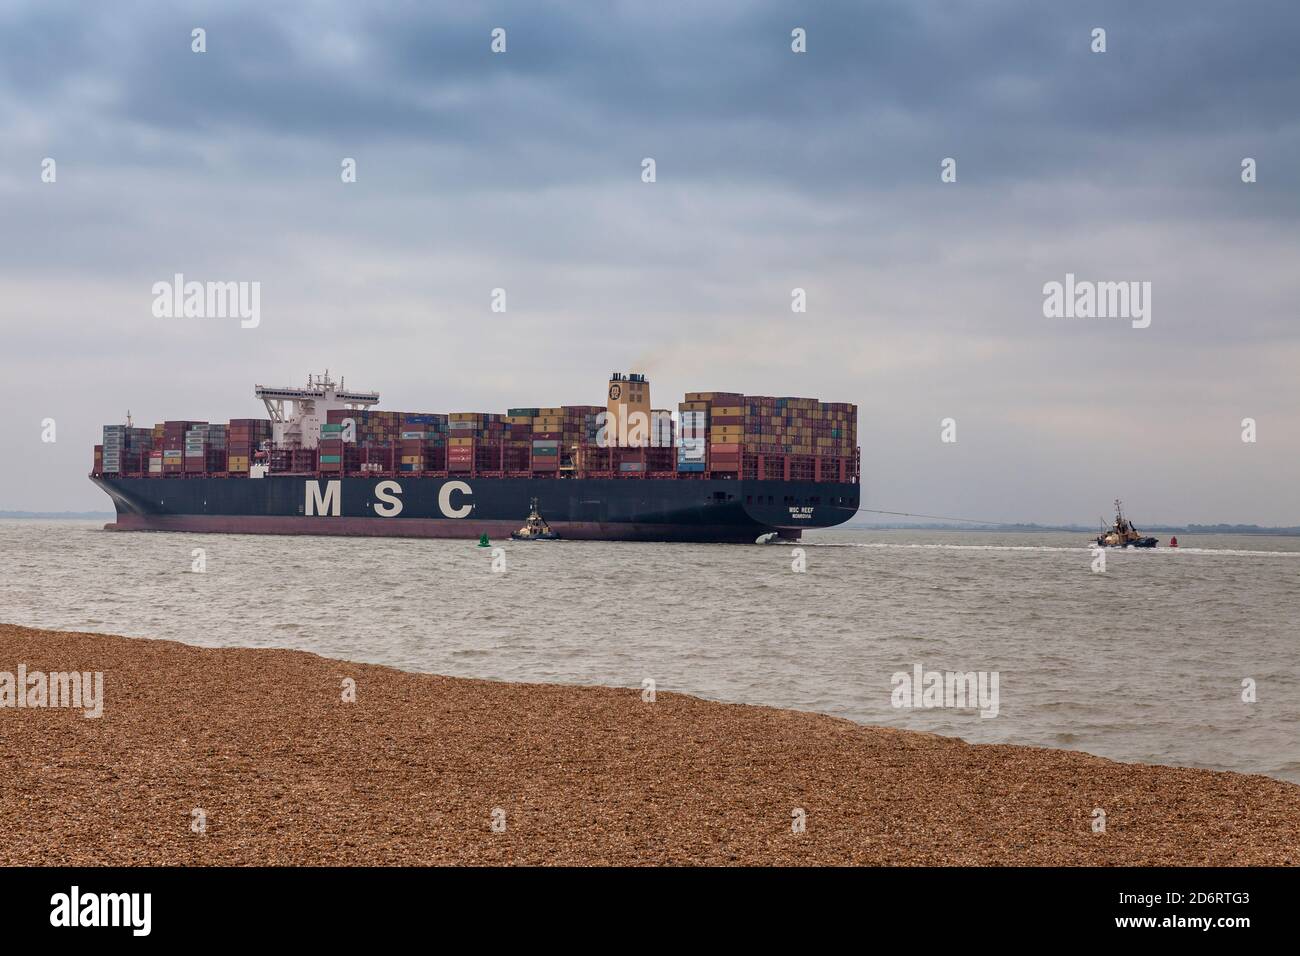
x,y
330,459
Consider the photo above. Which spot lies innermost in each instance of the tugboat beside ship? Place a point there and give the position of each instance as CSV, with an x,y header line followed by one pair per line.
x,y
1122,534
535,528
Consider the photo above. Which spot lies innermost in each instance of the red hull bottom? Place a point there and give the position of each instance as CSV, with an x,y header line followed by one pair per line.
x,y
432,528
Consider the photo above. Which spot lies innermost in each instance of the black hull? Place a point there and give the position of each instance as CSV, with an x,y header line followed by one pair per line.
x,y
594,509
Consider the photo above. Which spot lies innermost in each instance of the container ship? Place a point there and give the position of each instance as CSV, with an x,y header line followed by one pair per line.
x,y
727,468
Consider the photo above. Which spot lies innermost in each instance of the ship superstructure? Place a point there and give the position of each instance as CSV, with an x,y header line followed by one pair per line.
x,y
296,413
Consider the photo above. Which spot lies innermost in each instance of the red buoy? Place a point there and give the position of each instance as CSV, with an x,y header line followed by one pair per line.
x,y
1173,542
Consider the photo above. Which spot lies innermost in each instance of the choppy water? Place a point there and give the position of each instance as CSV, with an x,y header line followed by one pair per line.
x,y
1144,662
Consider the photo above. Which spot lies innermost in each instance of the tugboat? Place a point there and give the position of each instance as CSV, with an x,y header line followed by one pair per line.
x,y
1122,534
535,528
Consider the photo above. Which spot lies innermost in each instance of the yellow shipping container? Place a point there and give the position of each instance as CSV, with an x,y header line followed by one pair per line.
x,y
692,406
728,410
460,442
519,419
550,412
465,416
411,459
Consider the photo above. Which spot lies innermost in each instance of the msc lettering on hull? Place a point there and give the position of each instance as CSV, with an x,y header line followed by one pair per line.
x,y
329,501
390,506
444,499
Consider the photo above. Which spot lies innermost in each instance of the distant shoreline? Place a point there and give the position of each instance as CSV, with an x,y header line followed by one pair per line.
x,y
60,515
1069,529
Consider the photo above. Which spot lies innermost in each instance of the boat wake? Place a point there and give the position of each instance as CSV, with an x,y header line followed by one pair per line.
x,y
1045,548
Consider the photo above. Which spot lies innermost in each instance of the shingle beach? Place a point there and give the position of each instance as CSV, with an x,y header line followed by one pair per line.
x,y
422,769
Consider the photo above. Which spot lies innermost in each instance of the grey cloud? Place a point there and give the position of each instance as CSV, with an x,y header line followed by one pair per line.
x,y
775,170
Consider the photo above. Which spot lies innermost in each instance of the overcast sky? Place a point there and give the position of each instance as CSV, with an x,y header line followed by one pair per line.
x,y
775,170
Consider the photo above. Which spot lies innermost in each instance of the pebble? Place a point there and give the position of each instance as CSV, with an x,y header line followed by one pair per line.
x,y
423,769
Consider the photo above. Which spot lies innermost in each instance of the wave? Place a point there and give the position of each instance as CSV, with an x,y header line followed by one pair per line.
x,y
1018,547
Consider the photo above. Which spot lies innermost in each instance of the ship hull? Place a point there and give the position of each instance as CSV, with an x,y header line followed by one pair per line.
x,y
717,510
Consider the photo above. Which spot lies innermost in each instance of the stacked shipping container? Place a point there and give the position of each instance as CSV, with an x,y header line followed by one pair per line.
x,y
716,430
732,434
547,432
725,434
244,438
205,449
518,448
423,442
475,441
799,426
693,422
558,433
124,447
383,441
173,445
812,436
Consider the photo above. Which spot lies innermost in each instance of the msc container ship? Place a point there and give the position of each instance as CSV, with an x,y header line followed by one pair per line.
x,y
728,468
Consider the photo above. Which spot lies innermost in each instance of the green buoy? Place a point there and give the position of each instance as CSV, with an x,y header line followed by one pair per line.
x,y
483,541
